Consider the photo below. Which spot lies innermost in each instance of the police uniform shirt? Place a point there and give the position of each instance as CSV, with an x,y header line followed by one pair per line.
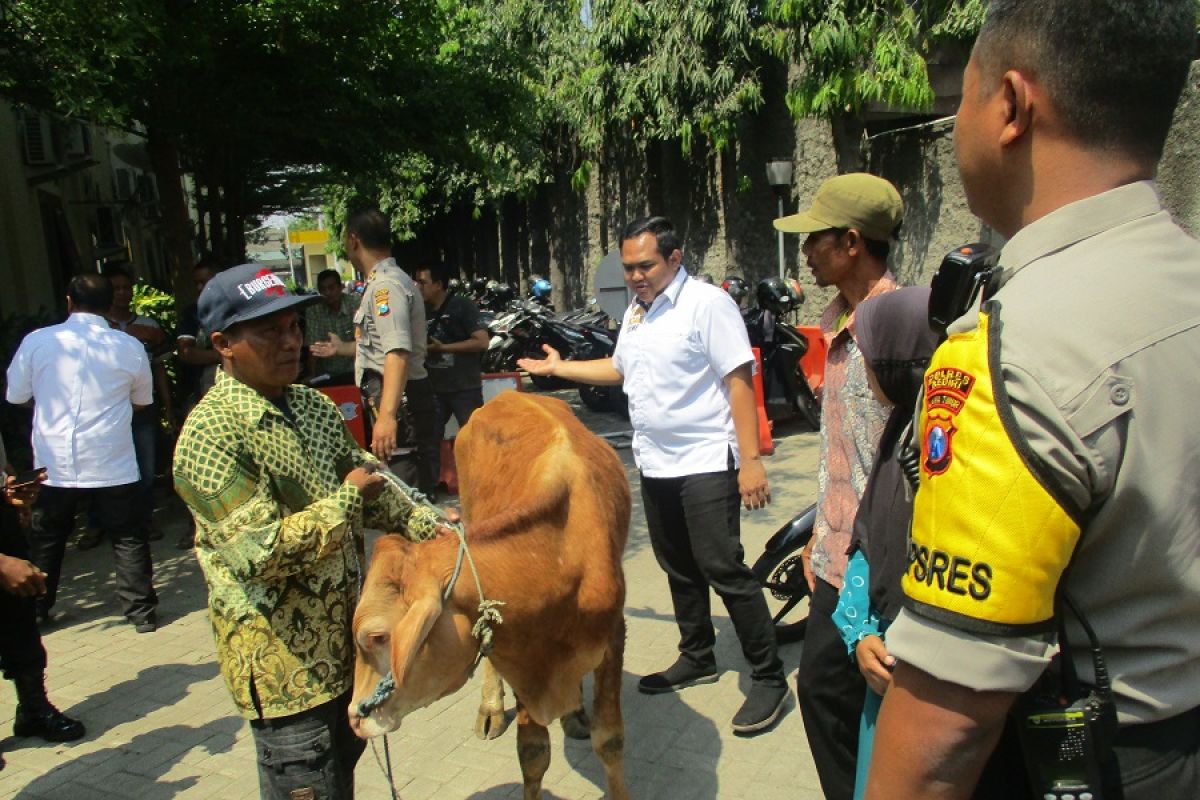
x,y
674,357
390,317
1059,416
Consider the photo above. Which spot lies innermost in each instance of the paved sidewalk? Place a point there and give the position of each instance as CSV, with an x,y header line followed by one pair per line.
x,y
161,723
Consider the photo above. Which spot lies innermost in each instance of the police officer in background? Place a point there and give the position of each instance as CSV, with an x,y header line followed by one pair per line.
x,y
1055,427
389,354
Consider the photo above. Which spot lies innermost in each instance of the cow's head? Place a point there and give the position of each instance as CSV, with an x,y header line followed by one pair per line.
x,y
401,625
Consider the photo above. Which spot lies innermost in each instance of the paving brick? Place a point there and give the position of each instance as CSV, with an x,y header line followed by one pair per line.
x,y
161,723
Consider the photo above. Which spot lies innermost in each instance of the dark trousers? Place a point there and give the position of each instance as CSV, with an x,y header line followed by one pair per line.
x,y
831,691
418,430
145,446
695,530
21,650
310,755
117,506
460,405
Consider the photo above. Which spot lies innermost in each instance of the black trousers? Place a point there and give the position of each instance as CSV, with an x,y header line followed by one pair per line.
x,y
460,405
21,648
117,506
831,691
309,755
695,530
418,429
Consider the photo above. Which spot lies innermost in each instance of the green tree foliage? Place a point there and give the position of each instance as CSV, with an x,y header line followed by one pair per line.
x,y
676,69
857,53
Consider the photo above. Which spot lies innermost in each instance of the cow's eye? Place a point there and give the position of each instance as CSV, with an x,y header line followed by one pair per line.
x,y
373,640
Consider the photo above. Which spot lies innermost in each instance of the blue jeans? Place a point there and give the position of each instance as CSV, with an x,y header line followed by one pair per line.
x,y
308,756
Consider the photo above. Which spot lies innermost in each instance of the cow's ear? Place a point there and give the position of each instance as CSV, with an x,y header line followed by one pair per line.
x,y
410,632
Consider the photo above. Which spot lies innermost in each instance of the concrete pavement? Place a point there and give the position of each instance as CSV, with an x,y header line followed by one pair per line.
x,y
161,723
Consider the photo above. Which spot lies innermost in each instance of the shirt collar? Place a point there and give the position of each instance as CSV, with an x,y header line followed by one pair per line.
x,y
671,292
1077,221
248,403
839,306
87,319
385,264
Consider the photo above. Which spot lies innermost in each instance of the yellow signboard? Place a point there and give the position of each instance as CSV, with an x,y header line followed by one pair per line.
x,y
308,237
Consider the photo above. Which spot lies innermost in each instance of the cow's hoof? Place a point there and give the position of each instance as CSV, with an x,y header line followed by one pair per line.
x,y
576,725
491,724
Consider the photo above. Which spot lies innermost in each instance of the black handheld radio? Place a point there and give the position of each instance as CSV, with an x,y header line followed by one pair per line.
x,y
1067,734
962,273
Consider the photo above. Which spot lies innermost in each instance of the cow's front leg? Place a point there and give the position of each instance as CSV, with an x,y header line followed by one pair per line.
x,y
491,722
533,751
576,725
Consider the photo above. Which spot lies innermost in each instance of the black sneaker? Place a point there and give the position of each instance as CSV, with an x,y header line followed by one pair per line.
x,y
680,675
763,706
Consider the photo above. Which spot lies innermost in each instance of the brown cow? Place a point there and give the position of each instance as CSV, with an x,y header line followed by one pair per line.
x,y
546,504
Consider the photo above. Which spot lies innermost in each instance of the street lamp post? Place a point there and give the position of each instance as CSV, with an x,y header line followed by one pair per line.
x,y
779,176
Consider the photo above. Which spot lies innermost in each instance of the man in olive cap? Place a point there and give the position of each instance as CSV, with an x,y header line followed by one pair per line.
x,y
848,227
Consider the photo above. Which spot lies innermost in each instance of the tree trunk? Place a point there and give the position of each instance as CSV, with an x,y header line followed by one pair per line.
x,y
177,227
848,143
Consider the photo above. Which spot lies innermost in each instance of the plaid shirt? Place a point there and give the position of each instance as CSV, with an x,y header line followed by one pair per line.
x,y
852,421
319,322
278,536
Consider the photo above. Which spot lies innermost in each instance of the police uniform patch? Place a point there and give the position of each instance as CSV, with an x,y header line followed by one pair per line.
x,y
382,307
946,393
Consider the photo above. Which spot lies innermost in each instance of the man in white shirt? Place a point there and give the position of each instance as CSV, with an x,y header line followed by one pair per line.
x,y
685,362
84,380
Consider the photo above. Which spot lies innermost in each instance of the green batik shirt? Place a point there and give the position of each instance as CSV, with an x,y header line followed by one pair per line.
x,y
319,322
278,534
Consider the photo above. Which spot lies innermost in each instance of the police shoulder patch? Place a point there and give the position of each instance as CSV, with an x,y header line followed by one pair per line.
x,y
381,300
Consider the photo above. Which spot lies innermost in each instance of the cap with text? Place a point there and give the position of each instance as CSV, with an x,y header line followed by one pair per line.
x,y
243,293
856,200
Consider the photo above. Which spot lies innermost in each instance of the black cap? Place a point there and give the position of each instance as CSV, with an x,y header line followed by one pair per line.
x,y
243,293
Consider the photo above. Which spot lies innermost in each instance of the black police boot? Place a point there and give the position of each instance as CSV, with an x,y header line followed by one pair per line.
x,y
37,717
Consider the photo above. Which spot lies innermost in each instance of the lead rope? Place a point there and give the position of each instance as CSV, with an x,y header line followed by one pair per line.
x,y
482,630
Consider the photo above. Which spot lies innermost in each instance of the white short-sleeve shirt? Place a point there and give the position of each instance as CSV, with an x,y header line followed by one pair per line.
x,y
84,378
674,358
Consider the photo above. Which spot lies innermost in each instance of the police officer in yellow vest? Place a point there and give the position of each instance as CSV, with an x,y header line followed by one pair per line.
x,y
1056,426
389,354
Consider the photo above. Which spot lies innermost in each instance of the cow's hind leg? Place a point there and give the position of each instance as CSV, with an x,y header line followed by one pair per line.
x,y
533,751
491,722
608,728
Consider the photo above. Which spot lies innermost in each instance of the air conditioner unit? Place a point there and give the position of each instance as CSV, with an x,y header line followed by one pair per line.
x,y
37,140
123,181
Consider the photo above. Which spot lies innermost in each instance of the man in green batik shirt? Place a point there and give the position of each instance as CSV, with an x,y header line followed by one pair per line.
x,y
280,492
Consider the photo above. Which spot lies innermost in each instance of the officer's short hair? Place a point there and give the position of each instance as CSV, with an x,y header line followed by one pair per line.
x,y
91,293
372,229
661,227
1114,69
438,273
328,274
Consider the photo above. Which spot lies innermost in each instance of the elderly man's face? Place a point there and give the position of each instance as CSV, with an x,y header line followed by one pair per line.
x,y
263,353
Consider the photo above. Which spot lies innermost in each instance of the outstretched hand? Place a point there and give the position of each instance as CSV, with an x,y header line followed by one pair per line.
x,y
326,349
541,366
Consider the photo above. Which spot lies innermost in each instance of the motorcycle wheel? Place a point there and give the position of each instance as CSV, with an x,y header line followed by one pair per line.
x,y
548,383
810,412
782,576
596,398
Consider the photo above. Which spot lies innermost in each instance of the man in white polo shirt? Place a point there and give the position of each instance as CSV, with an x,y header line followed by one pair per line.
x,y
685,362
85,379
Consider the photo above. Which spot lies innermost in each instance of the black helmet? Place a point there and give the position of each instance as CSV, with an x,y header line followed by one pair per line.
x,y
454,287
737,288
500,293
775,296
478,286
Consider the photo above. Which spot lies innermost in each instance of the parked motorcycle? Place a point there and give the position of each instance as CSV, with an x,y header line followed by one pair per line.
x,y
786,389
780,570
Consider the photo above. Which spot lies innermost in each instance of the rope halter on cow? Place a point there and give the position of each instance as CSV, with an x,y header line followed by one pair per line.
x,y
489,610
